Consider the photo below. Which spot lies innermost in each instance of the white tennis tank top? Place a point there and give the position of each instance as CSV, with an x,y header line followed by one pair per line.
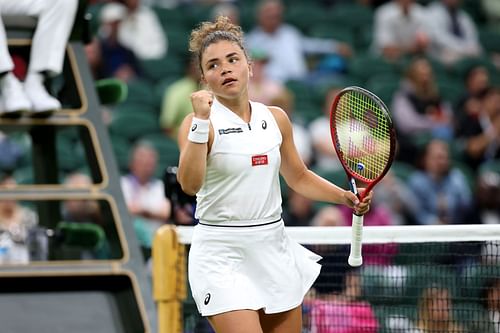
x,y
241,185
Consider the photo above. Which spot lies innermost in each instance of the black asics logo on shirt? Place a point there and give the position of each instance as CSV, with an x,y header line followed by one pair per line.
x,y
264,124
195,126
207,299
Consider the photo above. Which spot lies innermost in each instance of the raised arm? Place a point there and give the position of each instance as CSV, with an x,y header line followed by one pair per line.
x,y
193,155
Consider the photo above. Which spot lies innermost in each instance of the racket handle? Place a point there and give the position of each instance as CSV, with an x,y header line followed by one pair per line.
x,y
355,257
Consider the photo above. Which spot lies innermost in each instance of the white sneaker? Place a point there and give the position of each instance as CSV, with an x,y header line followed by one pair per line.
x,y
14,101
43,104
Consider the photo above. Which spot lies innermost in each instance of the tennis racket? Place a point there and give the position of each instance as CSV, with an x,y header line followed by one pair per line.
x,y
365,141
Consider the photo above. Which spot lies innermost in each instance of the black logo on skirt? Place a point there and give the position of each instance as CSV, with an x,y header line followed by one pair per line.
x,y
207,299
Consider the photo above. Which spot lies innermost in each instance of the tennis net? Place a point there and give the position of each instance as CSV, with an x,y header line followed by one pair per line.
x,y
414,279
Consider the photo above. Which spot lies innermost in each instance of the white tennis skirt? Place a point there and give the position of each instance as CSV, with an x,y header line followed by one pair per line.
x,y
237,268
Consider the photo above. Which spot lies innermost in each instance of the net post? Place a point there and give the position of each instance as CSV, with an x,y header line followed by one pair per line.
x,y
169,290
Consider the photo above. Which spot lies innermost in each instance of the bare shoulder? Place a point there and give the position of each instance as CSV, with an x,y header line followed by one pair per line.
x,y
281,117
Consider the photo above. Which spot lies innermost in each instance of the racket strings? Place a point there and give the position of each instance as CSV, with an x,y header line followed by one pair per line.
x,y
363,135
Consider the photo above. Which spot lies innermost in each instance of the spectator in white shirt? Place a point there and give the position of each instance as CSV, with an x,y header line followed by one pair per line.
x,y
144,194
140,31
400,29
453,32
286,46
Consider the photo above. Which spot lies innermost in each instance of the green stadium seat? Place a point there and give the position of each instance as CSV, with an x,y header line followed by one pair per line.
x,y
178,41
475,277
335,31
308,103
158,69
402,170
134,108
77,238
492,165
384,85
160,88
427,275
420,254
468,173
24,175
473,316
395,316
384,285
337,177
70,155
461,67
364,66
171,17
133,125
121,147
351,14
450,89
111,91
141,91
168,151
305,14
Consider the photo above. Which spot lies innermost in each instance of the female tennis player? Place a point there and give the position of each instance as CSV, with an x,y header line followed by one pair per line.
x,y
245,273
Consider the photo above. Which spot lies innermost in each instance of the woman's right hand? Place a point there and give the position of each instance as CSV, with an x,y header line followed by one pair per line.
x,y
202,102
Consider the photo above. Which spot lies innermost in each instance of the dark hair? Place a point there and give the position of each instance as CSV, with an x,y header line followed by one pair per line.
x,y
208,33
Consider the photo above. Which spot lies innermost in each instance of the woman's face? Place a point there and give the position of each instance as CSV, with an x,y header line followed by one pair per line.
x,y
422,72
225,69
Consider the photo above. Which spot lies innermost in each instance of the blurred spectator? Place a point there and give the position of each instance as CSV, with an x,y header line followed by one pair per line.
x,y
490,253
55,22
183,205
491,298
10,153
228,9
476,82
94,58
144,194
301,136
339,307
320,131
299,210
337,216
374,254
286,46
442,191
329,216
108,57
177,101
81,210
397,198
453,32
478,127
419,109
435,312
261,88
139,29
491,10
487,199
16,223
400,29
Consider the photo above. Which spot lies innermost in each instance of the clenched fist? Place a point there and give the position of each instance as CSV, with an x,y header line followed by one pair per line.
x,y
202,101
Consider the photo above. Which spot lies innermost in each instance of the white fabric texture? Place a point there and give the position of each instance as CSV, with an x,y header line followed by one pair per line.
x,y
249,268
55,21
236,191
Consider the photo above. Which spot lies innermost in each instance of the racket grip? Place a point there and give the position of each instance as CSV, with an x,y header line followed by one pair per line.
x,y
355,257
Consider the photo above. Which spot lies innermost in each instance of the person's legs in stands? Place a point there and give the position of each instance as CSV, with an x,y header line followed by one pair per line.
x,y
55,22
13,100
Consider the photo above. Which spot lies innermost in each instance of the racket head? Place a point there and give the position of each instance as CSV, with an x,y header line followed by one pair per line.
x,y
363,135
